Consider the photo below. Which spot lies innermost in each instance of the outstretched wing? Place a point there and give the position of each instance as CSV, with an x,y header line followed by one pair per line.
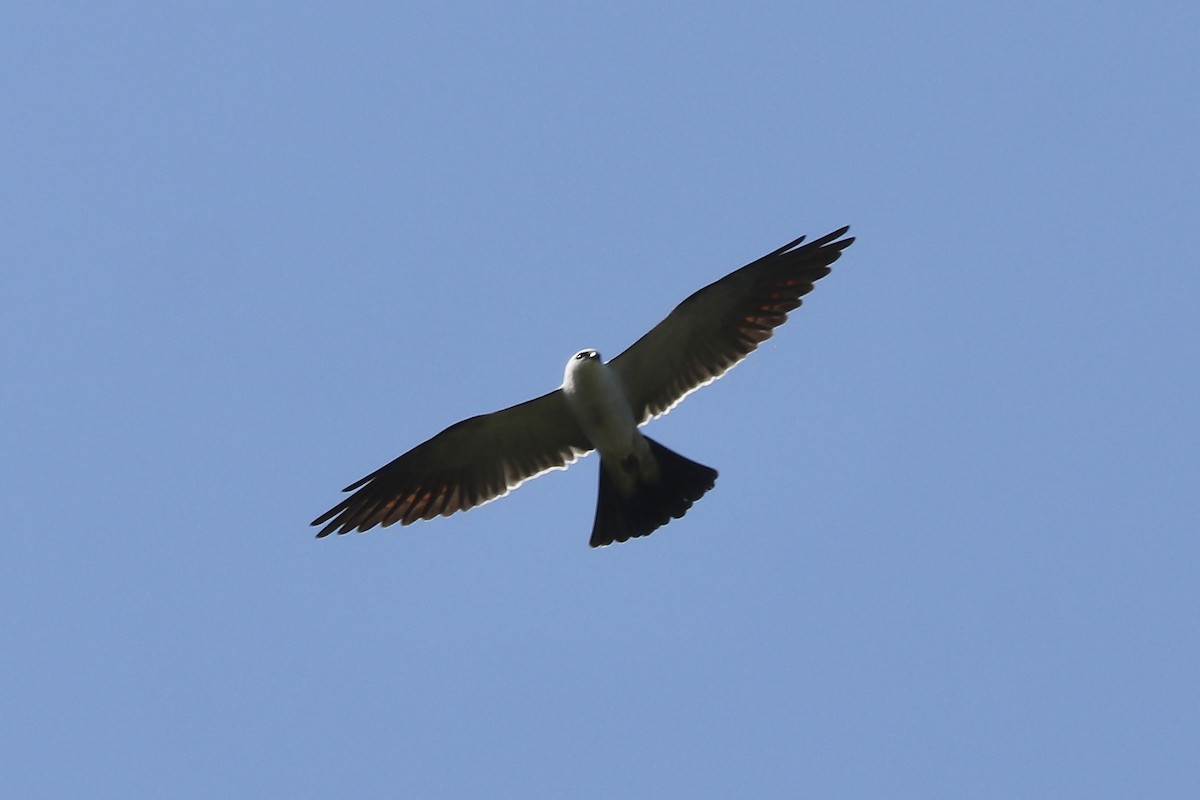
x,y
718,326
466,465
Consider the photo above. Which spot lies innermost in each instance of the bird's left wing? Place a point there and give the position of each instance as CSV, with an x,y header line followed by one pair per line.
x,y
718,326
468,464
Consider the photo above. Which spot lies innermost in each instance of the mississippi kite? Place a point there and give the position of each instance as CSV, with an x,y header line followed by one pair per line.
x,y
600,406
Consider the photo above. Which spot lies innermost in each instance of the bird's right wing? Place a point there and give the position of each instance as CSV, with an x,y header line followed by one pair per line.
x,y
468,464
718,326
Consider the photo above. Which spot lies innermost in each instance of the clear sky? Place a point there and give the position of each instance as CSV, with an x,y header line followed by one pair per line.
x,y
252,251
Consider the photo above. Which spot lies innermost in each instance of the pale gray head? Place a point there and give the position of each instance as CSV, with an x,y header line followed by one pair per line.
x,y
583,360
585,355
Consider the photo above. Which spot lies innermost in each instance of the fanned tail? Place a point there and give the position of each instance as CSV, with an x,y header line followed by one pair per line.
x,y
650,505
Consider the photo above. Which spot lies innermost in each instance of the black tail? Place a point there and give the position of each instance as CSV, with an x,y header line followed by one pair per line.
x,y
620,517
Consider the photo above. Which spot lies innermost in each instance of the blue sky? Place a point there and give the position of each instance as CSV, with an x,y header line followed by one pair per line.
x,y
253,251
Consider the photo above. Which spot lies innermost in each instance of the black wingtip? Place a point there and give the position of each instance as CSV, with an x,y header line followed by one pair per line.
x,y
323,519
790,245
815,244
832,237
838,234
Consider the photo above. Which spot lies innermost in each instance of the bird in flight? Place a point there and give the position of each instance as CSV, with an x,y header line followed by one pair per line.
x,y
600,406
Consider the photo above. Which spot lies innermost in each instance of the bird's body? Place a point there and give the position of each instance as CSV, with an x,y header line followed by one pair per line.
x,y
597,400
600,406
642,484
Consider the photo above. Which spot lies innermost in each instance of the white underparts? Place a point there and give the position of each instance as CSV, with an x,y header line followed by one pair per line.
x,y
597,400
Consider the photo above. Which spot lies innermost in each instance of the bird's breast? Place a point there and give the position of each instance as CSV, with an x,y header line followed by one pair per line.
x,y
597,399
